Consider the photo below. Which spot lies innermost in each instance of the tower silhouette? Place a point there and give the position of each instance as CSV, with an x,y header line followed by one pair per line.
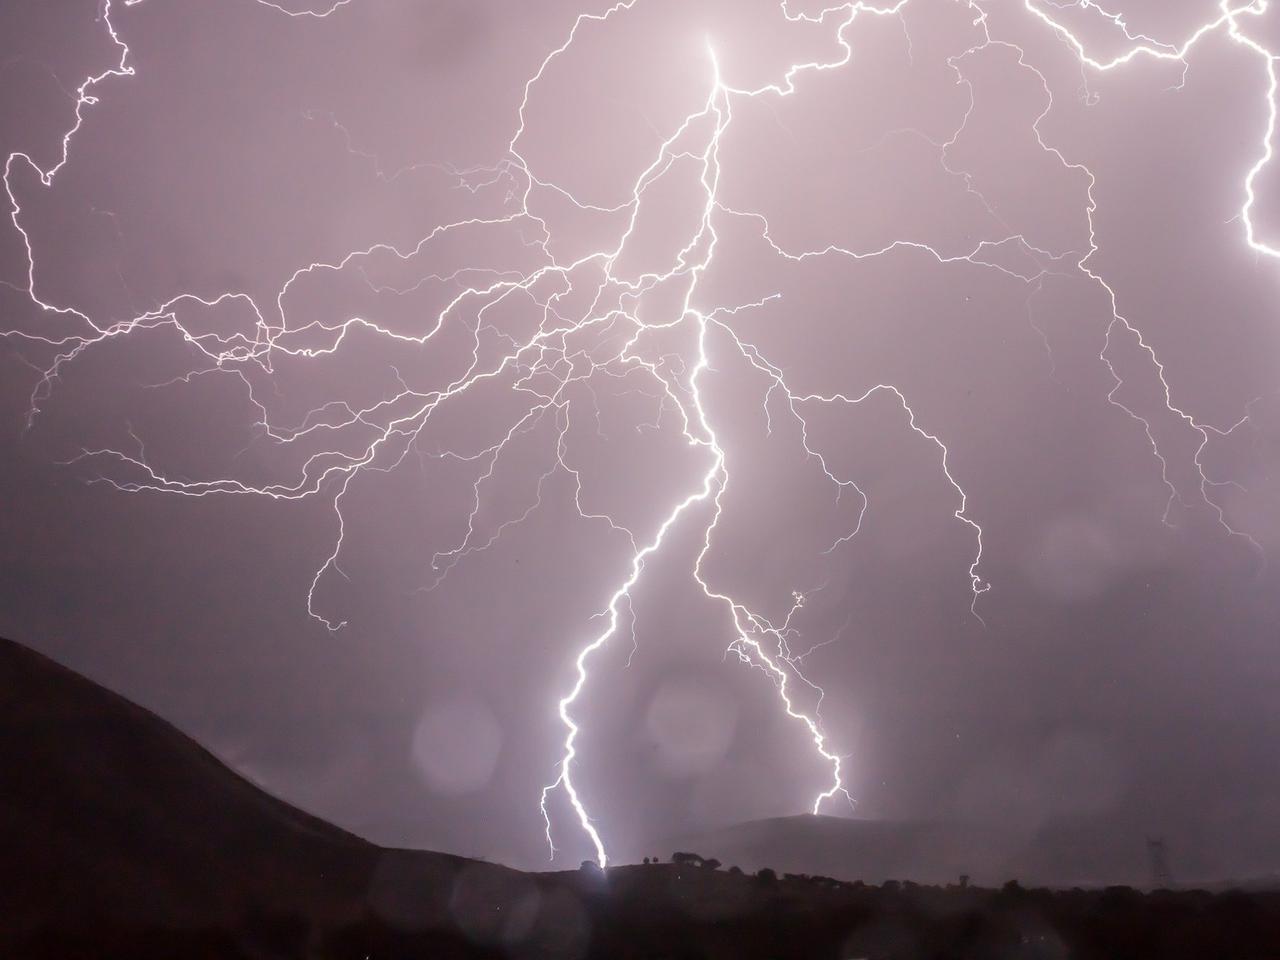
x,y
1161,877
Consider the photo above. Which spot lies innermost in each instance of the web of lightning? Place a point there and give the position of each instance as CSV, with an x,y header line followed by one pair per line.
x,y
561,355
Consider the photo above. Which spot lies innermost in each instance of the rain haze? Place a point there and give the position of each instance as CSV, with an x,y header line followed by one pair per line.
x,y
880,404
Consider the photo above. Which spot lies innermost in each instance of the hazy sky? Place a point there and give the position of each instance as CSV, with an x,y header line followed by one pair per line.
x,y
352,371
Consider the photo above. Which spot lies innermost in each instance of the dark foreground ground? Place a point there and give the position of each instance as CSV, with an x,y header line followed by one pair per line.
x,y
122,839
668,912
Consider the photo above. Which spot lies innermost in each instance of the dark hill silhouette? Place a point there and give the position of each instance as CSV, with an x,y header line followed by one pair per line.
x,y
145,822
110,815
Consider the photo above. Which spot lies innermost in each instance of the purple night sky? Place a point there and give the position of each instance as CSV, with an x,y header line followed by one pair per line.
x,y
914,363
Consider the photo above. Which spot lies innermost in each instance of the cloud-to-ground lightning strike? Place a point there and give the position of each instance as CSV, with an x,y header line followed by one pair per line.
x,y
566,351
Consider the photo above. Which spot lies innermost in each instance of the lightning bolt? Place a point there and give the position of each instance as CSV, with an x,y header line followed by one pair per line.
x,y
554,367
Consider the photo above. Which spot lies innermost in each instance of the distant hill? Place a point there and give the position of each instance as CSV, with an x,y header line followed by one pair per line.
x,y
1069,853
869,850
